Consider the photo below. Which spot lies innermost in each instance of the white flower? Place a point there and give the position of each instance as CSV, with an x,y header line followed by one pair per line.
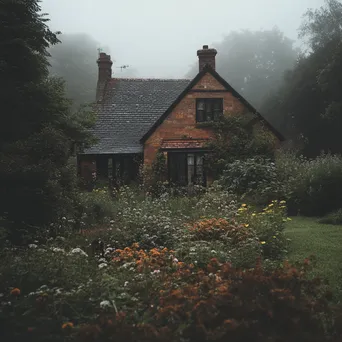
x,y
105,304
126,283
58,250
78,251
155,272
32,245
102,261
175,260
102,265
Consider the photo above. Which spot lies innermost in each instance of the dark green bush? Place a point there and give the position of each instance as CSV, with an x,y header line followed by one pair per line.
x,y
334,217
312,186
256,178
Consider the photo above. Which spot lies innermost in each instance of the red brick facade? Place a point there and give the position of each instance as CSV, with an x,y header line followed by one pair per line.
x,y
181,123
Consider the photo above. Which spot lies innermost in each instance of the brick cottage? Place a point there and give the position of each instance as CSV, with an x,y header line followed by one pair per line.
x,y
137,118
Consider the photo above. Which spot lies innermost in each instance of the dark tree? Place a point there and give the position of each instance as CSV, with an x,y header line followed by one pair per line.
x,y
37,127
309,103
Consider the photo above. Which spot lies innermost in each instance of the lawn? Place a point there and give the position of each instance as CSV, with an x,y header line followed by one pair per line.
x,y
324,241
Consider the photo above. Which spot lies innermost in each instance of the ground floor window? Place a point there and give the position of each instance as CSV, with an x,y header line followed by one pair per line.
x,y
186,168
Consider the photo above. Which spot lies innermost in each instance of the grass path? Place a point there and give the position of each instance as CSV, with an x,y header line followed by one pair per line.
x,y
324,241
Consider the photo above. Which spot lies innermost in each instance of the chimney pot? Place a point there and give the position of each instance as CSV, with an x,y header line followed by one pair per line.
x,y
105,73
206,56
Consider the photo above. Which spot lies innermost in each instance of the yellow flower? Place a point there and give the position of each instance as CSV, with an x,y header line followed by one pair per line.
x,y
244,205
262,242
254,214
271,205
67,325
246,225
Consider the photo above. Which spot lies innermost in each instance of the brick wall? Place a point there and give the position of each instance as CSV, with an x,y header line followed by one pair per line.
x,y
181,122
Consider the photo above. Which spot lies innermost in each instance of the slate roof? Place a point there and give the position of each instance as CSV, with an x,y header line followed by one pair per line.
x,y
129,109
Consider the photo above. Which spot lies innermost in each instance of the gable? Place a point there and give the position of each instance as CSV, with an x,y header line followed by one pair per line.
x,y
209,83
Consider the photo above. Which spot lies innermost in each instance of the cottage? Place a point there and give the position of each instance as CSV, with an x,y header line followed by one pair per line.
x,y
137,118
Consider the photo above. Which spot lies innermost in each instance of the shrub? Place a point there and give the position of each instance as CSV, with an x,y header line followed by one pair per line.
x,y
334,217
256,178
95,207
311,185
269,225
221,303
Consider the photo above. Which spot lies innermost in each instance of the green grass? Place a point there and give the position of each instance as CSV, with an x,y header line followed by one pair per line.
x,y
322,240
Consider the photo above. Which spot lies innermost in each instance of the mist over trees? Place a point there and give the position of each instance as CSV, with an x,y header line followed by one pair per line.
x,y
254,62
74,60
308,105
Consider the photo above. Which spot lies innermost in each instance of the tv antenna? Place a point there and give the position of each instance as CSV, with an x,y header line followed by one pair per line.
x,y
123,67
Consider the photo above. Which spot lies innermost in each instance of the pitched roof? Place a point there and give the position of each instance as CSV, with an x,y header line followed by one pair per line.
x,y
191,84
129,109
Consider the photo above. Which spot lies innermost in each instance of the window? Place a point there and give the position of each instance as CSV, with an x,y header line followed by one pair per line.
x,y
186,168
208,109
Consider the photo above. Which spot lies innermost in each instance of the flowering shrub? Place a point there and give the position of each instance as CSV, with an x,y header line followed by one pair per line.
x,y
221,303
269,225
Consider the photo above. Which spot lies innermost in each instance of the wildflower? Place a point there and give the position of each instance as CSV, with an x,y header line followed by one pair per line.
x,y
246,225
32,245
155,272
244,205
254,214
67,325
105,304
282,202
262,242
126,283
271,205
15,292
78,251
102,265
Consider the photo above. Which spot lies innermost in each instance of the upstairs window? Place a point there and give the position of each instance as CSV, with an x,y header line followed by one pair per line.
x,y
208,109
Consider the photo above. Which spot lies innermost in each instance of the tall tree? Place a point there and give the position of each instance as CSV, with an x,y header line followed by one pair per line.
x,y
309,103
254,62
74,60
37,126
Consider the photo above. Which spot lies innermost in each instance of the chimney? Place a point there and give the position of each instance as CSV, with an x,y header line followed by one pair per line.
x,y
105,73
206,56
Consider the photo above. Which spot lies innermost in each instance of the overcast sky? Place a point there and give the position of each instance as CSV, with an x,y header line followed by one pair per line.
x,y
160,38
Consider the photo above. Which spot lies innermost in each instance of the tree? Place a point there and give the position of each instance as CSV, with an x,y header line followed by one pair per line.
x,y
309,103
74,60
254,62
37,127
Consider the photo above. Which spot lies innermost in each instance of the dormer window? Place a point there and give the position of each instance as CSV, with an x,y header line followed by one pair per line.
x,y
208,109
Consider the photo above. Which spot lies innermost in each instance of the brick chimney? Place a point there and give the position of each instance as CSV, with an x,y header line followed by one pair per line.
x,y
105,73
206,56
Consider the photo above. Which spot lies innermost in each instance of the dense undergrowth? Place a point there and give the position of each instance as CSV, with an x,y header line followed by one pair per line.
x,y
175,268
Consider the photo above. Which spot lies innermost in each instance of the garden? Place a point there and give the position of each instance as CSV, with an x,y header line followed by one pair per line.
x,y
246,259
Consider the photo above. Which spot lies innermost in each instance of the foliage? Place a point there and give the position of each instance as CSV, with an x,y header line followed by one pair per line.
x,y
310,184
237,137
308,104
38,132
222,303
334,217
269,225
253,62
254,178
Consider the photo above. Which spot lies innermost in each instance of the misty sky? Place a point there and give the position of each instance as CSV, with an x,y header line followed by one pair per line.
x,y
160,38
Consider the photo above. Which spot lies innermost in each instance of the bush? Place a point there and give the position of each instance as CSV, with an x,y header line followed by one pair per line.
x,y
334,217
255,178
269,225
221,303
95,207
312,185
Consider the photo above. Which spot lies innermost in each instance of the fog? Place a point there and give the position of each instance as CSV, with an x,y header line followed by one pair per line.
x,y
159,38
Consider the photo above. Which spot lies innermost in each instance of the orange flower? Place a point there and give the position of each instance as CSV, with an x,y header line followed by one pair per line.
x,y
67,325
15,292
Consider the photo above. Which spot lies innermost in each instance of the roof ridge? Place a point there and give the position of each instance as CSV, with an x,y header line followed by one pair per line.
x,y
149,79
